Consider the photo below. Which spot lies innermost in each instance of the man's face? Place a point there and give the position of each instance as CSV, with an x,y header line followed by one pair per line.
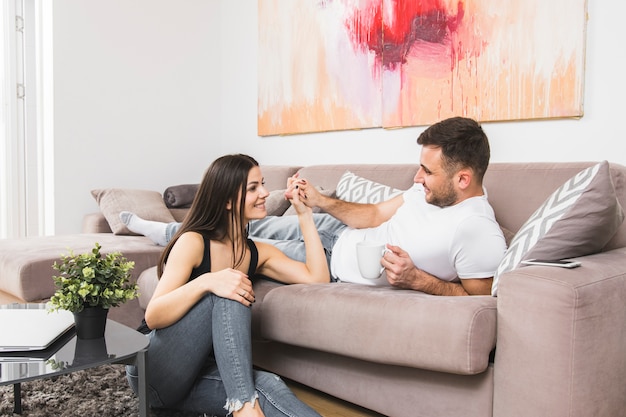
x,y
438,185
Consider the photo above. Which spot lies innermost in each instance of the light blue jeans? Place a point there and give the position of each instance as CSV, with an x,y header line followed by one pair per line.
x,y
203,363
284,233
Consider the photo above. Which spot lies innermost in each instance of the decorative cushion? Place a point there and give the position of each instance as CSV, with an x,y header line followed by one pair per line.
x,y
357,189
577,219
276,203
180,196
146,204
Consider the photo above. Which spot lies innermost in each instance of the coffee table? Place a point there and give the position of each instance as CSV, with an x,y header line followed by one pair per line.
x,y
120,345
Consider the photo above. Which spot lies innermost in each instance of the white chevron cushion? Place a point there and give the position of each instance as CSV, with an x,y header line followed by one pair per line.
x,y
357,189
577,219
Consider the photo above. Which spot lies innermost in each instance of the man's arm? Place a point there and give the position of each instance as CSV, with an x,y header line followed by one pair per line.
x,y
402,273
355,215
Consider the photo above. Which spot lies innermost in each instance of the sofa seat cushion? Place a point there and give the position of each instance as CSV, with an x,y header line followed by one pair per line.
x,y
447,334
26,263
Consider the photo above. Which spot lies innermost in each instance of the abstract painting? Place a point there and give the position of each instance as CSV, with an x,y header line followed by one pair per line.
x,y
353,64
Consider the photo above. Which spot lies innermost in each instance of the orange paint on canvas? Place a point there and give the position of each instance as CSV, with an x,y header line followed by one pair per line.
x,y
340,64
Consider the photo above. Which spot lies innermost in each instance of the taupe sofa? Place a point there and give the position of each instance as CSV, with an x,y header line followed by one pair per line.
x,y
552,343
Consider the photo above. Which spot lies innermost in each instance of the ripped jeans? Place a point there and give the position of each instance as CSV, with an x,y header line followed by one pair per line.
x,y
203,363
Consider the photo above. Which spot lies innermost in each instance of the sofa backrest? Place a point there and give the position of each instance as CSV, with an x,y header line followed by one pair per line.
x,y
516,190
398,176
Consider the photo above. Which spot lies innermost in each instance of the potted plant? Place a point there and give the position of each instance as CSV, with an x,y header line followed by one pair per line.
x,y
89,284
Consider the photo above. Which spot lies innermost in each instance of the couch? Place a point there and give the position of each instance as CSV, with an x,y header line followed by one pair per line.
x,y
551,343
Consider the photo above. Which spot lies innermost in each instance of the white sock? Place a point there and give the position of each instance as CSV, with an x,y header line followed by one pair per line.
x,y
155,231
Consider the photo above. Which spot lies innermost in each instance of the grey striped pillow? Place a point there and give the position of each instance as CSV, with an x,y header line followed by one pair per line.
x,y
357,189
578,219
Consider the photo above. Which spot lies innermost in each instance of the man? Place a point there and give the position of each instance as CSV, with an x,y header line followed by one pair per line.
x,y
441,234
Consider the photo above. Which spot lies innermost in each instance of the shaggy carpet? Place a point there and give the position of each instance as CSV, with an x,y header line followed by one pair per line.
x,y
101,391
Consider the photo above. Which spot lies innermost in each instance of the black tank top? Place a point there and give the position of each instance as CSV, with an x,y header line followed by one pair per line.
x,y
205,266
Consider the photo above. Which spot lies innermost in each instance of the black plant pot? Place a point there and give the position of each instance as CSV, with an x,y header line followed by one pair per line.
x,y
89,351
91,322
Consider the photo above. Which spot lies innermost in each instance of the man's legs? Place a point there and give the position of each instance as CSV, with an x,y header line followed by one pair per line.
x,y
159,232
284,233
281,231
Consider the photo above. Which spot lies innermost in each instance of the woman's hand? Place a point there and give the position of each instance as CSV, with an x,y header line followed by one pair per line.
x,y
295,196
232,284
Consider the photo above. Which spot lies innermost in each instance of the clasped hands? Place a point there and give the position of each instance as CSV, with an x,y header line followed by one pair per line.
x,y
299,194
307,194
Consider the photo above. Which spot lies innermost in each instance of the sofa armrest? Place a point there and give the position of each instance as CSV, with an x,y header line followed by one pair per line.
x,y
95,223
560,339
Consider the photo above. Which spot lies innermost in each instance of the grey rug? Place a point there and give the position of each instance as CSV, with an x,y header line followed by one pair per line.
x,y
101,391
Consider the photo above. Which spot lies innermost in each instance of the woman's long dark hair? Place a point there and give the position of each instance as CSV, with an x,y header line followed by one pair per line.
x,y
224,182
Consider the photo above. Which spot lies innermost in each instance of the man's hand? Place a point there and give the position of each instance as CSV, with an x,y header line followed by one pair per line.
x,y
309,195
402,273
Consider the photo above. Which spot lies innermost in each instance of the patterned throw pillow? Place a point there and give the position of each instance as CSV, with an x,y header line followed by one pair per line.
x,y
577,219
357,189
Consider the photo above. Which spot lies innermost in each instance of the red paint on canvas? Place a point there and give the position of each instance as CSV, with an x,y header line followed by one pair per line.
x,y
390,32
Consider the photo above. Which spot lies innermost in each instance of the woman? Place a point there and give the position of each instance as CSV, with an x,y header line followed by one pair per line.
x,y
199,357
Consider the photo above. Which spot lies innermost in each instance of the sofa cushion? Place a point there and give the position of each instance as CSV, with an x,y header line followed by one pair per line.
x,y
448,334
357,189
577,219
26,263
180,196
146,204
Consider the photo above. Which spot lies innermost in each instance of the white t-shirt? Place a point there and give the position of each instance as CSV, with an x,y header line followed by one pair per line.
x,y
459,241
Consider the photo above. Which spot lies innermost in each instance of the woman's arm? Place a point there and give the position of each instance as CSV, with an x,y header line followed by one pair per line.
x,y
275,264
175,294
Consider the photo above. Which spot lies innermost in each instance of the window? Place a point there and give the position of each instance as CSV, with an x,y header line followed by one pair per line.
x,y
26,180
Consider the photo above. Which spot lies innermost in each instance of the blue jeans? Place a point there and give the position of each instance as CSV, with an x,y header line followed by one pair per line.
x,y
284,233
203,363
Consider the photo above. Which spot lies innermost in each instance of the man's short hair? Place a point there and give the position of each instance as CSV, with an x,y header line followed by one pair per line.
x,y
463,144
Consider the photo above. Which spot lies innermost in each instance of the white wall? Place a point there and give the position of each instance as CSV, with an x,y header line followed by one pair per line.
x,y
148,93
136,87
600,134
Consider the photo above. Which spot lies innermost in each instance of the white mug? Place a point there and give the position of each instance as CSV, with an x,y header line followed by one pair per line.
x,y
368,255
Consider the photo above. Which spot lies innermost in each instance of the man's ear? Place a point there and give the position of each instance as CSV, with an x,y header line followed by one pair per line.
x,y
464,177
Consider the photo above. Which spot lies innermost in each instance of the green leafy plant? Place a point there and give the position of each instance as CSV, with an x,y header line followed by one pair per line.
x,y
92,280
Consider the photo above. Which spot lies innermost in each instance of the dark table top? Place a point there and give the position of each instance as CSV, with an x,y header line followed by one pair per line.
x,y
120,344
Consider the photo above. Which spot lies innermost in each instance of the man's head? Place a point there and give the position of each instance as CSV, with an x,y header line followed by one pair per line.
x,y
463,145
455,156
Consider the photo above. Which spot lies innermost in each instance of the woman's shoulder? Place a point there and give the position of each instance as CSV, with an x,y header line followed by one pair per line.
x,y
191,238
